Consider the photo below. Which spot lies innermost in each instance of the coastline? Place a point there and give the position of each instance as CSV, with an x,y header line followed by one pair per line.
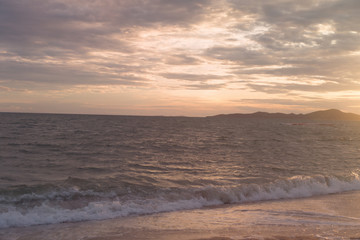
x,y
333,216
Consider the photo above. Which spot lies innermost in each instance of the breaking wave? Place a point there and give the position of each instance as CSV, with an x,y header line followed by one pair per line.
x,y
74,205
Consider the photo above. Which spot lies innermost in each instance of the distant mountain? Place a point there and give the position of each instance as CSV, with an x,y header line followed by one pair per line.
x,y
331,114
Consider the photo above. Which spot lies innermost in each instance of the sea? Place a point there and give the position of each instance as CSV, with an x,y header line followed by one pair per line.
x,y
66,176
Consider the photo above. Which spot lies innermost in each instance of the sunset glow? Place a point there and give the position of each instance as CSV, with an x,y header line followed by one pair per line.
x,y
172,57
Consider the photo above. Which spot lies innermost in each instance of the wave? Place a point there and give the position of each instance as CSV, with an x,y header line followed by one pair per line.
x,y
56,207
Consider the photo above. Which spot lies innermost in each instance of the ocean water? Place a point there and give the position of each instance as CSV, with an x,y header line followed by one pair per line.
x,y
80,169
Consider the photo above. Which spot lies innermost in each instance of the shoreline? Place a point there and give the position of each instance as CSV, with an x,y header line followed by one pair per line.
x,y
320,217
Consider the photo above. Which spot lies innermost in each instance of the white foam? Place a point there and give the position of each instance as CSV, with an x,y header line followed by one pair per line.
x,y
46,214
54,195
295,187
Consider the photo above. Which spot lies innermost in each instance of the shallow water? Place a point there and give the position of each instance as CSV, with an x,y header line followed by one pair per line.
x,y
335,216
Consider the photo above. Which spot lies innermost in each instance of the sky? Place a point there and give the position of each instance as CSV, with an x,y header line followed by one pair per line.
x,y
179,57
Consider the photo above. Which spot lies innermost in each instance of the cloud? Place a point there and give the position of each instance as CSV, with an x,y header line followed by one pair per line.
x,y
301,41
192,77
302,105
182,59
55,41
279,47
205,86
241,55
4,89
54,75
320,88
77,26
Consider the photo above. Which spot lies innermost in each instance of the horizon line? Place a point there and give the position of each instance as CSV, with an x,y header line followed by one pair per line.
x,y
135,115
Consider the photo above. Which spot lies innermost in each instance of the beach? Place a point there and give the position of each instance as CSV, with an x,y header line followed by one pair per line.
x,y
335,216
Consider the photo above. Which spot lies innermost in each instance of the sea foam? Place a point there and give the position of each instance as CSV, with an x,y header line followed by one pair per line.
x,y
55,210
